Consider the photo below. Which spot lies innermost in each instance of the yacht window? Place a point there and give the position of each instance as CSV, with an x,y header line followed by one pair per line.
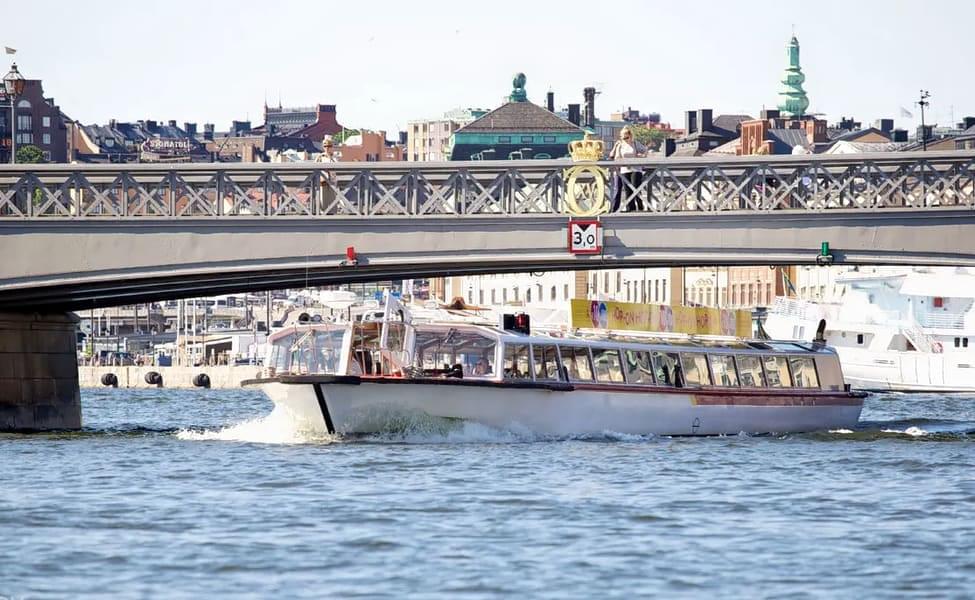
x,y
777,371
546,362
723,369
666,367
750,371
964,342
859,338
804,372
575,359
608,366
516,362
638,366
473,351
695,368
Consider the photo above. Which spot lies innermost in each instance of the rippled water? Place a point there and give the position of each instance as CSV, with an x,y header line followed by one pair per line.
x,y
193,493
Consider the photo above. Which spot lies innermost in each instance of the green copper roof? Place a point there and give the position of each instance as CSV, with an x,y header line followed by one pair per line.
x,y
518,93
793,101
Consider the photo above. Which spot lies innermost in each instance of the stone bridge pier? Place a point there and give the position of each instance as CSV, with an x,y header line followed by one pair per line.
x,y
39,372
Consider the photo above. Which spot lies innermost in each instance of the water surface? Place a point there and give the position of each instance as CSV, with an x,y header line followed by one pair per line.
x,y
170,493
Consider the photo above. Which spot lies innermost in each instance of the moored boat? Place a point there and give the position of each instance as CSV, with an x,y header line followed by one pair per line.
x,y
367,377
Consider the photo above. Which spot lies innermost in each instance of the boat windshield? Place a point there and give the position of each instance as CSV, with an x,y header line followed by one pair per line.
x,y
308,351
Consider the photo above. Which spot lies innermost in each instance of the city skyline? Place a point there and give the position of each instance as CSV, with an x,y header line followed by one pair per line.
x,y
383,69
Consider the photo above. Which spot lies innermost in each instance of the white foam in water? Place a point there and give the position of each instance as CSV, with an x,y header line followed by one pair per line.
x,y
276,428
912,431
841,431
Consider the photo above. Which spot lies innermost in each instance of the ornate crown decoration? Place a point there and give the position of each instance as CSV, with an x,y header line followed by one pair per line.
x,y
587,150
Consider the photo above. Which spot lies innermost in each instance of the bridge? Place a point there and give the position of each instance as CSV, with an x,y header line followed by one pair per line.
x,y
80,236
83,236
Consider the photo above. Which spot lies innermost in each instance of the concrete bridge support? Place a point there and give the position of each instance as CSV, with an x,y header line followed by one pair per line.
x,y
39,372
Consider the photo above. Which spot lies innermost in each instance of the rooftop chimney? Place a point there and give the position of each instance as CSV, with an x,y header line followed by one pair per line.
x,y
769,113
208,131
112,123
898,135
704,119
690,122
189,128
968,122
574,114
885,125
550,101
589,95
172,122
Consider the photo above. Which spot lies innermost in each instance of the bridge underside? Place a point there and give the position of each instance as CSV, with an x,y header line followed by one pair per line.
x,y
93,263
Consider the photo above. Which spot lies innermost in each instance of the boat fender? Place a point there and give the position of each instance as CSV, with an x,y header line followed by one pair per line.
x,y
154,378
936,347
201,380
110,380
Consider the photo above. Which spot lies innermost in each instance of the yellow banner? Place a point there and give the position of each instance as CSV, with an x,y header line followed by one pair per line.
x,y
597,314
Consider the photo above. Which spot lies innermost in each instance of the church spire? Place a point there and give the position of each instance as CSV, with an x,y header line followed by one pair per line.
x,y
793,97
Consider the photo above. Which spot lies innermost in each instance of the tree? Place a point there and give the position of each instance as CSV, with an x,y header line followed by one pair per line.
x,y
29,154
649,137
340,137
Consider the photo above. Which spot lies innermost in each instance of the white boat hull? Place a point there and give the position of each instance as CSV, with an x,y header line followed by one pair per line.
x,y
372,407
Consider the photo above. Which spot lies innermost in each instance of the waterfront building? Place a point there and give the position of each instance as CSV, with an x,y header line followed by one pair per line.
x,y
515,130
142,141
774,134
429,140
39,122
312,122
368,146
703,132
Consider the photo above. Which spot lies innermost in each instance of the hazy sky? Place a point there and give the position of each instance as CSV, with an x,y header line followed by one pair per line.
x,y
385,63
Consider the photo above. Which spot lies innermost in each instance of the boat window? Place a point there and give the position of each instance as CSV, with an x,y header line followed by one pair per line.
x,y
695,368
666,367
608,366
516,362
750,370
638,366
723,369
575,359
473,351
804,372
546,362
777,371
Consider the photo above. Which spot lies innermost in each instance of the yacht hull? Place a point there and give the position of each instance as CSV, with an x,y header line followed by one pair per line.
x,y
352,405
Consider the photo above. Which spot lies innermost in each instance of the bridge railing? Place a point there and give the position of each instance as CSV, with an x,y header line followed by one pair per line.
x,y
412,189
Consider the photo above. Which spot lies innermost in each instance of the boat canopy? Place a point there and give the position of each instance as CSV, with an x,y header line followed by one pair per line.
x,y
949,285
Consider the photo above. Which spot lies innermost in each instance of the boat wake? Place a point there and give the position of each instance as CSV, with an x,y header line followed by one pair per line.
x,y
278,427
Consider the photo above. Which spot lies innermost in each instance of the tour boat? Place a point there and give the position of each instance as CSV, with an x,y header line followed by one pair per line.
x,y
366,377
902,329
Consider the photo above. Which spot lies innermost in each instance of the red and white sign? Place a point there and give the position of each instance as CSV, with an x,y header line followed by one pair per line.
x,y
585,236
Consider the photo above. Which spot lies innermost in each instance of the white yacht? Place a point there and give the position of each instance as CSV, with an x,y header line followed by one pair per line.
x,y
369,376
903,329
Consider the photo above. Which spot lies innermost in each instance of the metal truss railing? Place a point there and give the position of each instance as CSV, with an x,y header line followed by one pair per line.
x,y
416,189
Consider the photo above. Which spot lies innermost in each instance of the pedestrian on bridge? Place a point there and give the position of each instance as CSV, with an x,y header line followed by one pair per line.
x,y
627,147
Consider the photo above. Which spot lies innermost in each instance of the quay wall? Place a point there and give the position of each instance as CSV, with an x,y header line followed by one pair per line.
x,y
221,377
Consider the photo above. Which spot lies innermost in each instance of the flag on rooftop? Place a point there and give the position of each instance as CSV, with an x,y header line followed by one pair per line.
x,y
906,113
10,50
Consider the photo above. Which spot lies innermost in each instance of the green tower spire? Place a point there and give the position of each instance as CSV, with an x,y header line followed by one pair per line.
x,y
793,98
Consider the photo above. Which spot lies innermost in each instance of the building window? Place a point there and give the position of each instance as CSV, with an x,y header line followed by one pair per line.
x,y
504,296
504,139
619,281
25,138
46,139
24,122
528,295
663,292
656,290
553,292
964,342
526,139
549,139
46,122
565,292
494,298
480,297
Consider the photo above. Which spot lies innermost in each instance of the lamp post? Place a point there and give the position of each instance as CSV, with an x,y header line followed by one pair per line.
x,y
924,131
13,83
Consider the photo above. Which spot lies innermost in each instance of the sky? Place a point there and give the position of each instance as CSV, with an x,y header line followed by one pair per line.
x,y
386,63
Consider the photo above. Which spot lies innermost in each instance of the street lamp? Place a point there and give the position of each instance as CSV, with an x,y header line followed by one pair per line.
x,y
13,83
924,132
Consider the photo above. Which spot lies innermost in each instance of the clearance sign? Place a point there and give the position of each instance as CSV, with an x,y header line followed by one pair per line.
x,y
629,316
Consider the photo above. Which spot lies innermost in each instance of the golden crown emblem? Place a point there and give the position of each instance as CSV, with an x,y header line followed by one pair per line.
x,y
588,149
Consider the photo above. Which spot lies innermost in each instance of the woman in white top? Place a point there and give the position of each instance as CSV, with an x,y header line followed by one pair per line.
x,y
627,147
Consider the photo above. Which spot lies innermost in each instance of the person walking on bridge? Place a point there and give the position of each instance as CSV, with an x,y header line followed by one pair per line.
x,y
627,147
